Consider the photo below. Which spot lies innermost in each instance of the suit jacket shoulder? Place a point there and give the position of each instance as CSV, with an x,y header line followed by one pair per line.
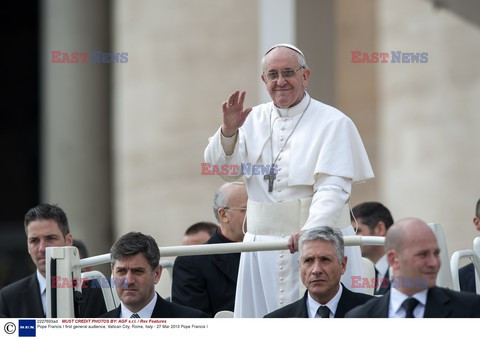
x,y
22,299
350,300
298,309
164,309
466,276
206,282
377,307
445,303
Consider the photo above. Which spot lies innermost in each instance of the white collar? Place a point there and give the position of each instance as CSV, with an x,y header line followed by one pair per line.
x,y
293,111
42,282
397,298
332,304
382,266
145,312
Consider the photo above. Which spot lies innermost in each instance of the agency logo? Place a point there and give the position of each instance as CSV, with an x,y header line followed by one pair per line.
x,y
27,328
9,328
394,57
95,57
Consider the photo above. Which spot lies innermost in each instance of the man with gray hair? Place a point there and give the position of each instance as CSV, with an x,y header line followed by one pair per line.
x,y
322,263
299,158
208,282
136,269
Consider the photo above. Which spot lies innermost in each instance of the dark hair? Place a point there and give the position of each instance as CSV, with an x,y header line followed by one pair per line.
x,y
206,226
82,249
133,243
371,213
48,212
477,209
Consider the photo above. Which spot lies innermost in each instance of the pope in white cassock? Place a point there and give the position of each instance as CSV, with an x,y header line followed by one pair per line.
x,y
316,153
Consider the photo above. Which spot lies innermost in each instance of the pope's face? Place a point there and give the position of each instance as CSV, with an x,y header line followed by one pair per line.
x,y
135,281
285,92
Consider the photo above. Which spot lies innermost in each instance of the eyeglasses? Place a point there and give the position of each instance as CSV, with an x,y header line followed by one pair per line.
x,y
243,209
286,73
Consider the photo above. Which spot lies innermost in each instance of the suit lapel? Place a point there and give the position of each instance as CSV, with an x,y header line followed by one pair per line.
x,y
31,300
299,308
385,285
436,304
344,304
381,307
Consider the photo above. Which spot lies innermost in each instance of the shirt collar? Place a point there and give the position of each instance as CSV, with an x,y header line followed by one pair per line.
x,y
42,282
397,298
145,312
293,111
382,266
332,304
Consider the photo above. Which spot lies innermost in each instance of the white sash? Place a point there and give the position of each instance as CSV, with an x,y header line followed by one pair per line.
x,y
284,218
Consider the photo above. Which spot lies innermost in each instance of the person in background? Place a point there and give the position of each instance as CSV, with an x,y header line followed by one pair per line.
x,y
466,274
208,282
374,219
46,225
199,233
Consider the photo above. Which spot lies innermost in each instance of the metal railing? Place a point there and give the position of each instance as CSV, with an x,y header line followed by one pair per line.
x,y
63,263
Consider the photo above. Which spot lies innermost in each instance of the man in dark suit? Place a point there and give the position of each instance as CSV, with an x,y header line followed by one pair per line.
x,y
199,233
46,226
413,254
136,270
208,282
374,219
322,263
466,274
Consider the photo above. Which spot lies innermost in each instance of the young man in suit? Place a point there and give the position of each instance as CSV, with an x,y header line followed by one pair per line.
x,y
46,225
136,270
374,219
322,263
208,282
466,274
413,254
198,233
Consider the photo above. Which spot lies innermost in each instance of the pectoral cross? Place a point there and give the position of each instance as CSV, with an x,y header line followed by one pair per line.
x,y
270,177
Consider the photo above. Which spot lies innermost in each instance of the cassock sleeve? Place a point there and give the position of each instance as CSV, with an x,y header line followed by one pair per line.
x,y
216,155
331,193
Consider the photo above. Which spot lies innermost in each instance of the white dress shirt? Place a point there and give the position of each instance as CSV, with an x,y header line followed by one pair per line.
x,y
145,312
395,309
313,305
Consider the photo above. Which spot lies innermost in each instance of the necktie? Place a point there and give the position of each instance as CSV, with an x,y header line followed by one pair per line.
x,y
323,312
409,305
134,315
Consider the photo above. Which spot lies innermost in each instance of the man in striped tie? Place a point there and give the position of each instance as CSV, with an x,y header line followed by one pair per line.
x,y
136,270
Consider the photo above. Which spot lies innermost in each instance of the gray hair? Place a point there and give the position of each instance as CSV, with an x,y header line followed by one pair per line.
x,y
133,243
326,233
221,198
301,59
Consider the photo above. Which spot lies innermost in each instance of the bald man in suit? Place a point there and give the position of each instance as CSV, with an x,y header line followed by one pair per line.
x,y
413,254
